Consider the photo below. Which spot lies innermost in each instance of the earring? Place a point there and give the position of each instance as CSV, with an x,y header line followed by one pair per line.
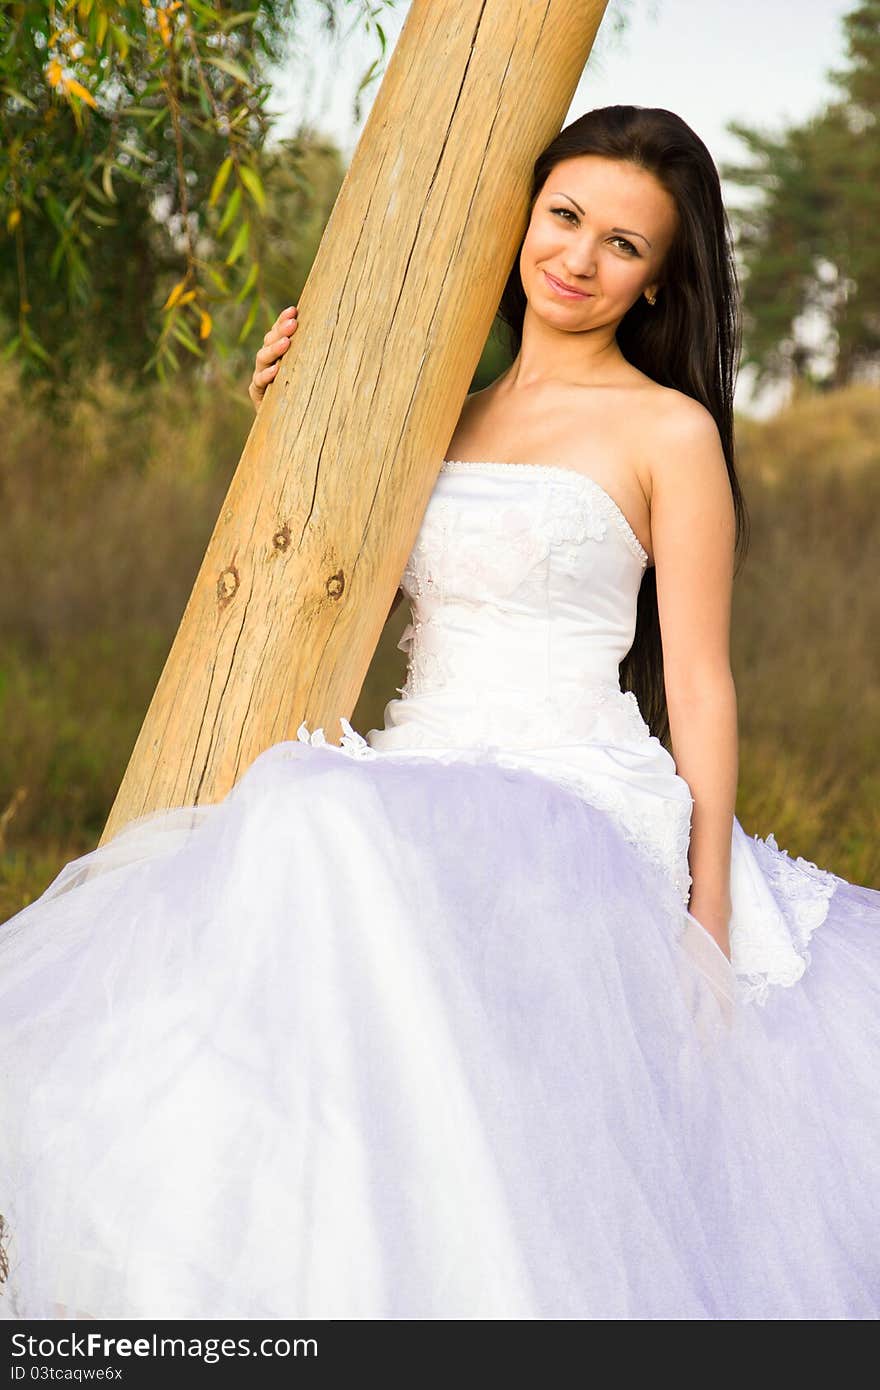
x,y
651,298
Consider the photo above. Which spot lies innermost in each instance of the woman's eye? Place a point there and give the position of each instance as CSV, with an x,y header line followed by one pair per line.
x,y
622,241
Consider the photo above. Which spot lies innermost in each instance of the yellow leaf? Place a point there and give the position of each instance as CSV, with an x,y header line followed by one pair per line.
x,y
174,295
107,182
220,178
13,219
164,27
75,89
205,325
54,72
186,298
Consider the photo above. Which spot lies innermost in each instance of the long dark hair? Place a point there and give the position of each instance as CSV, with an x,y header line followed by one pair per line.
x,y
690,339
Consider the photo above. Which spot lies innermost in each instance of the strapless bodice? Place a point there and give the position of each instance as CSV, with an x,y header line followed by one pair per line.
x,y
523,583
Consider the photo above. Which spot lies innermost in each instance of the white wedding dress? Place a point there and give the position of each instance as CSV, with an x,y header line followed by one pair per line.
x,y
421,1026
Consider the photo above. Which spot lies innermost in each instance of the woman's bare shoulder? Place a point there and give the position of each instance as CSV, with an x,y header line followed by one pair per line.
x,y
672,410
686,463
673,423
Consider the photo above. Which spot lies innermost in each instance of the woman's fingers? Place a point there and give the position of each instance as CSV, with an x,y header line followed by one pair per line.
x,y
280,332
273,350
275,344
285,321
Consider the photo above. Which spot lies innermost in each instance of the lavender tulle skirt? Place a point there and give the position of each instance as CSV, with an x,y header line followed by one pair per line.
x,y
406,1039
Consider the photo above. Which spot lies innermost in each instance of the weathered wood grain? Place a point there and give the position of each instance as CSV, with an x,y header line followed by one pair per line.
x,y
325,504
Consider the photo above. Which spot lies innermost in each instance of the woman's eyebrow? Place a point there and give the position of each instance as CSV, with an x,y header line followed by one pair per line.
x,y
624,230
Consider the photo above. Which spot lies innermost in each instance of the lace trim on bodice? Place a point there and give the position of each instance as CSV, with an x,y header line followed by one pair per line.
x,y
603,500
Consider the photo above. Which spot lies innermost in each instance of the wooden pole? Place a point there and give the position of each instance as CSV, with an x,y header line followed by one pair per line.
x,y
327,499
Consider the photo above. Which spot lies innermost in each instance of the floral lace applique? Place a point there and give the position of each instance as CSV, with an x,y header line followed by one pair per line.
x,y
638,727
449,559
573,516
427,561
805,887
425,669
803,894
351,742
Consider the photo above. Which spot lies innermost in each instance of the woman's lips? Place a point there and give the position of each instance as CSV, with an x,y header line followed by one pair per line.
x,y
562,290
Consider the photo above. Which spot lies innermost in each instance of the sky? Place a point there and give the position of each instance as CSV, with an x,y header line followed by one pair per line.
x,y
762,62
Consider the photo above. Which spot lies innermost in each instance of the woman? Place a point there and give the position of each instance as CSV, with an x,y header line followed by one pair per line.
x,y
498,1012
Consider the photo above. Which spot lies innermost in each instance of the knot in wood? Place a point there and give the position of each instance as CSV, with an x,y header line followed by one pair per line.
x,y
281,539
227,584
335,584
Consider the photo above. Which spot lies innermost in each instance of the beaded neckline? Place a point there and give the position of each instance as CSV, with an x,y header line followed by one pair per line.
x,y
557,470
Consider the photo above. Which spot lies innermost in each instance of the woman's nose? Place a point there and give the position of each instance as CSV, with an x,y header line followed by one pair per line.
x,y
581,261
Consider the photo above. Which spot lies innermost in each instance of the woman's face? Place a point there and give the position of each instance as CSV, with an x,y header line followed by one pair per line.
x,y
602,227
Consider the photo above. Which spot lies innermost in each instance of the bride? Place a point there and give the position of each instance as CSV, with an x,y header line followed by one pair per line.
x,y
496,1012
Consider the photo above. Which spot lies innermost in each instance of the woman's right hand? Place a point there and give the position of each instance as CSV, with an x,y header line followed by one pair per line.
x,y
275,344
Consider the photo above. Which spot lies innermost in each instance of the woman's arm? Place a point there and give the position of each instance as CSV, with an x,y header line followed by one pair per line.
x,y
693,533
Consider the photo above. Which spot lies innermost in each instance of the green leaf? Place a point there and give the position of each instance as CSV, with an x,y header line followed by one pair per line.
x,y
55,211
240,243
249,321
218,280
186,339
251,180
95,191
244,18
121,40
107,182
136,153
205,11
34,346
249,283
99,218
19,96
231,211
234,70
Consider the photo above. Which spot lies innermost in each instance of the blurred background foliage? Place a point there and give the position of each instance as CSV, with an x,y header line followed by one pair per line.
x,y
134,162
116,453
807,230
